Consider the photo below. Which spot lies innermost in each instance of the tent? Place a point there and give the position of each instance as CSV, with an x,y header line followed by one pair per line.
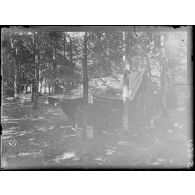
x,y
135,80
109,108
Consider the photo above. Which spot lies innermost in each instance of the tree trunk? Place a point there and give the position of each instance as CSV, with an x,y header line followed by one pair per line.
x,y
41,86
36,83
33,91
85,82
55,70
15,70
49,89
172,101
15,74
172,92
26,88
64,49
71,52
44,86
126,82
125,102
164,112
99,49
163,93
36,86
71,59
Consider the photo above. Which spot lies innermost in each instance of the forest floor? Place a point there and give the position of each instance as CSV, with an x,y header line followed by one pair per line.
x,y
43,139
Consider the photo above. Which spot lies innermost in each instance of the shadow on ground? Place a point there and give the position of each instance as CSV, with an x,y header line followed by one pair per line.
x,y
44,139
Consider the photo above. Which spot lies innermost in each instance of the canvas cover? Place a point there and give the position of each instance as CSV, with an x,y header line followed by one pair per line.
x,y
135,80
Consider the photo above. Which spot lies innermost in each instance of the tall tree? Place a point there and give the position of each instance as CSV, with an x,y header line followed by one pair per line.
x,y
36,75
15,66
64,47
85,79
164,112
126,37
71,54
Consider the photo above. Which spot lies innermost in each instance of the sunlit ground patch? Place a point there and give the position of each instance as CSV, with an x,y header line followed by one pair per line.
x,y
9,131
123,143
110,133
140,149
32,139
5,117
21,133
6,137
66,155
100,158
41,117
45,144
42,129
72,135
161,161
9,98
62,126
181,109
15,133
34,144
10,122
111,147
110,152
10,119
169,131
32,154
55,114
34,119
178,125
11,156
